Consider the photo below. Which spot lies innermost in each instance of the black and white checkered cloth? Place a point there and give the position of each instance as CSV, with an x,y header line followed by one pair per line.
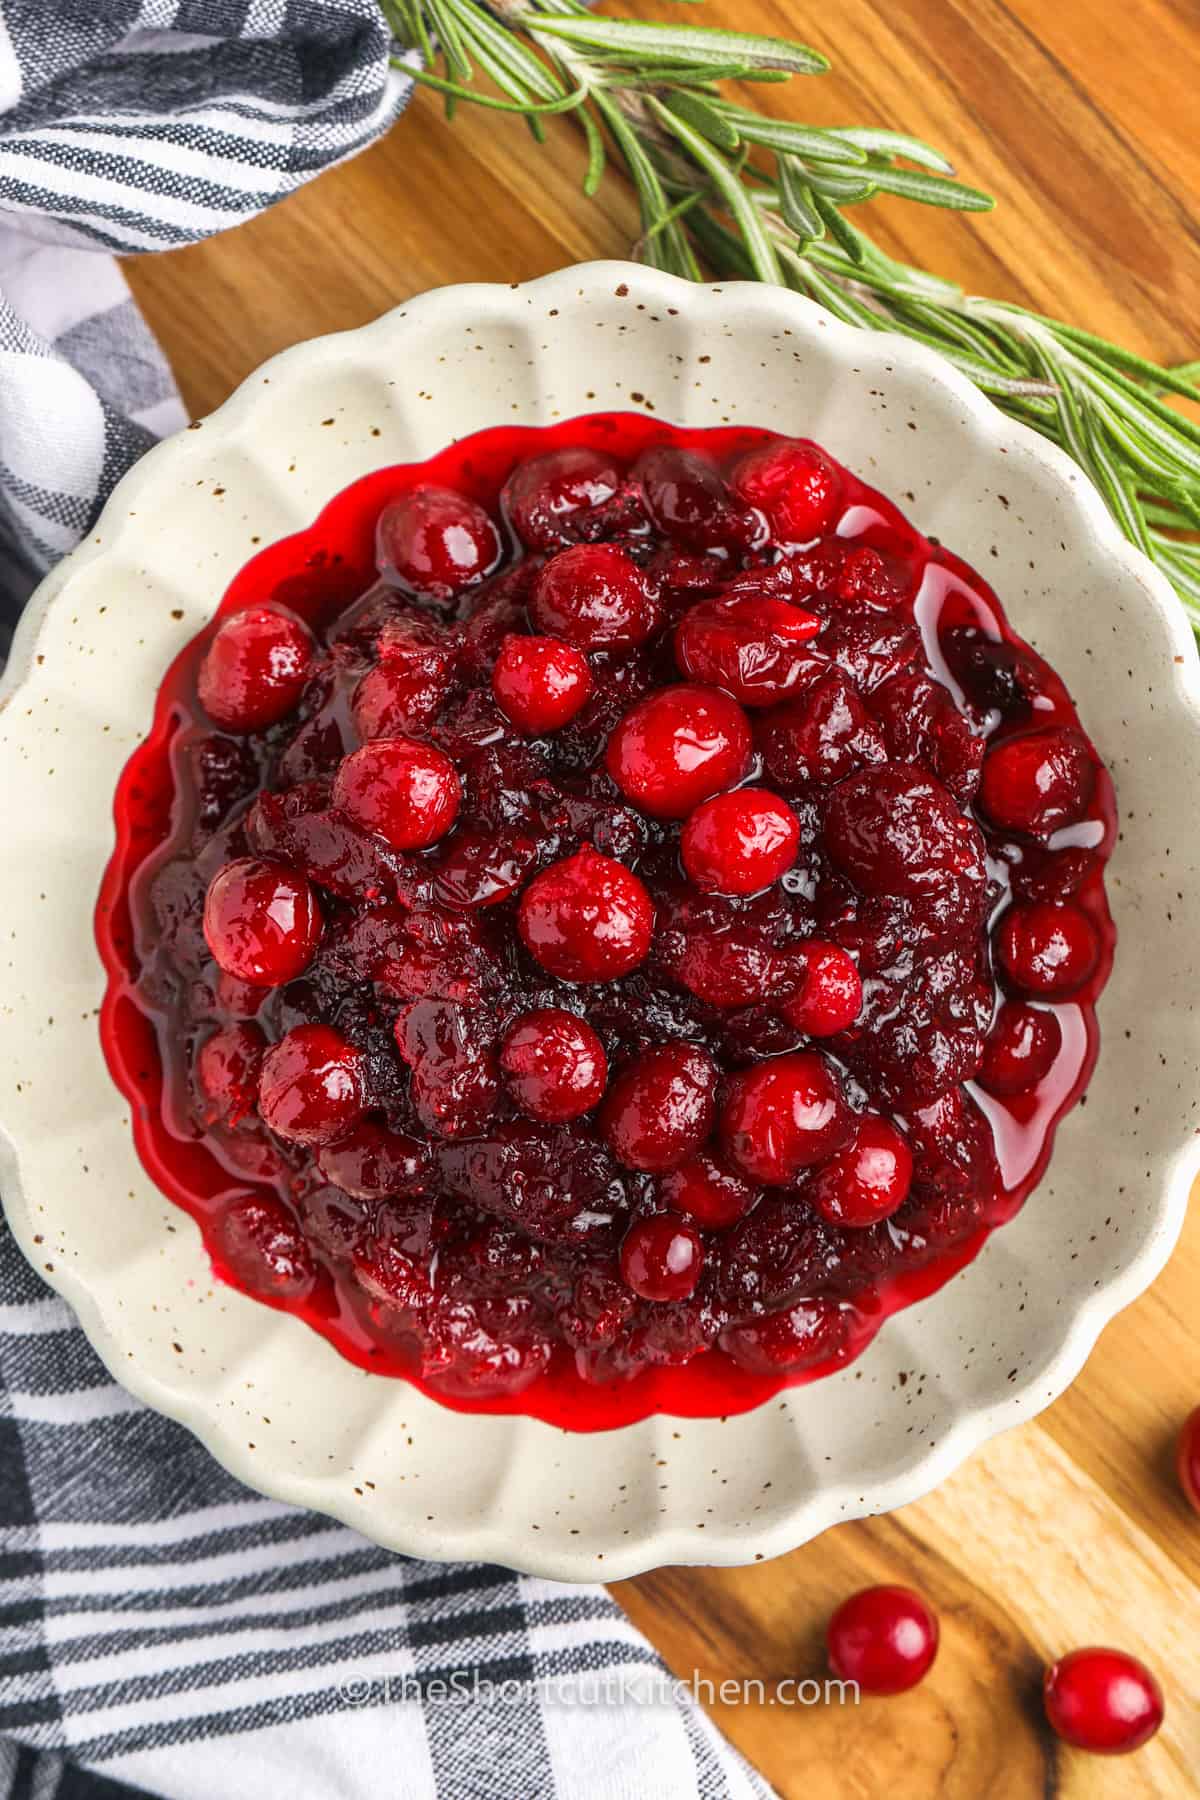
x,y
162,1630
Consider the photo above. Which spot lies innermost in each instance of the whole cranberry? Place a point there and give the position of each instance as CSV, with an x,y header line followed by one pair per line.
x,y
756,646
1038,782
829,998
261,921
404,791
554,1064
689,502
677,747
546,498
437,542
594,596
1046,949
784,1115
587,918
660,1107
1020,1050
883,1638
255,669
1187,1458
895,830
373,1163
310,1088
481,869
869,1179
661,1257
1102,1700
740,843
712,1195
794,1337
263,1247
540,683
227,1065
403,692
794,484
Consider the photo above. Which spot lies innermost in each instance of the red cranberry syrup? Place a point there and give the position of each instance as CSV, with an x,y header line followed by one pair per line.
x,y
615,915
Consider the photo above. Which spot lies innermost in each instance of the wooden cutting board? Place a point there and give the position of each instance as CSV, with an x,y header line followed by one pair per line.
x,y
1081,117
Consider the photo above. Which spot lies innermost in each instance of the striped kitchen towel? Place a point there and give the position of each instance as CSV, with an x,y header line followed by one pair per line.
x,y
162,1630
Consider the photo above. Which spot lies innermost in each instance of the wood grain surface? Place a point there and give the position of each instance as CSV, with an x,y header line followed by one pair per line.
x,y
1080,116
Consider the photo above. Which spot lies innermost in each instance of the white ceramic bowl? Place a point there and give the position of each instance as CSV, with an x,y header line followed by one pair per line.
x,y
1000,1341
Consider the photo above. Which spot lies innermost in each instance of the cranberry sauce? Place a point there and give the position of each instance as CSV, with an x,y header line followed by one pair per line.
x,y
603,918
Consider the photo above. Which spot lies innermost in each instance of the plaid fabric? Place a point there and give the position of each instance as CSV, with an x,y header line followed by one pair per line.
x,y
136,125
162,1629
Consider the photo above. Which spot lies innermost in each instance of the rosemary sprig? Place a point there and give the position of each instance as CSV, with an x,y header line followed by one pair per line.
x,y
726,190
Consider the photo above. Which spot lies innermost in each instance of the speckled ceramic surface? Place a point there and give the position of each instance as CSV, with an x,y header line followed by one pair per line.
x,y
271,1399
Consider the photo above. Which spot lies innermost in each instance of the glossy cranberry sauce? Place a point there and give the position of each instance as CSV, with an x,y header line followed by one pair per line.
x,y
603,918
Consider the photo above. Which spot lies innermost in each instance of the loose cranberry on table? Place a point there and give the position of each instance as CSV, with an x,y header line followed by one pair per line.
x,y
596,597
262,921
740,843
540,683
310,1087
829,998
661,1257
437,542
1046,950
585,919
660,1107
1187,1458
677,747
1101,1700
794,484
255,669
554,1064
883,1638
783,1116
1021,1049
405,791
1038,781
869,1179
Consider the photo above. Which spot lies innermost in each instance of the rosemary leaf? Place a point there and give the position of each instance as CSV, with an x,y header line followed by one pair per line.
x,y
690,43
893,143
597,155
797,203
705,119
649,98
793,140
527,107
838,228
930,190
758,243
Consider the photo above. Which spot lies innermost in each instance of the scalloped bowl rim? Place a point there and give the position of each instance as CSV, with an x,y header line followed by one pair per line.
x,y
491,1539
